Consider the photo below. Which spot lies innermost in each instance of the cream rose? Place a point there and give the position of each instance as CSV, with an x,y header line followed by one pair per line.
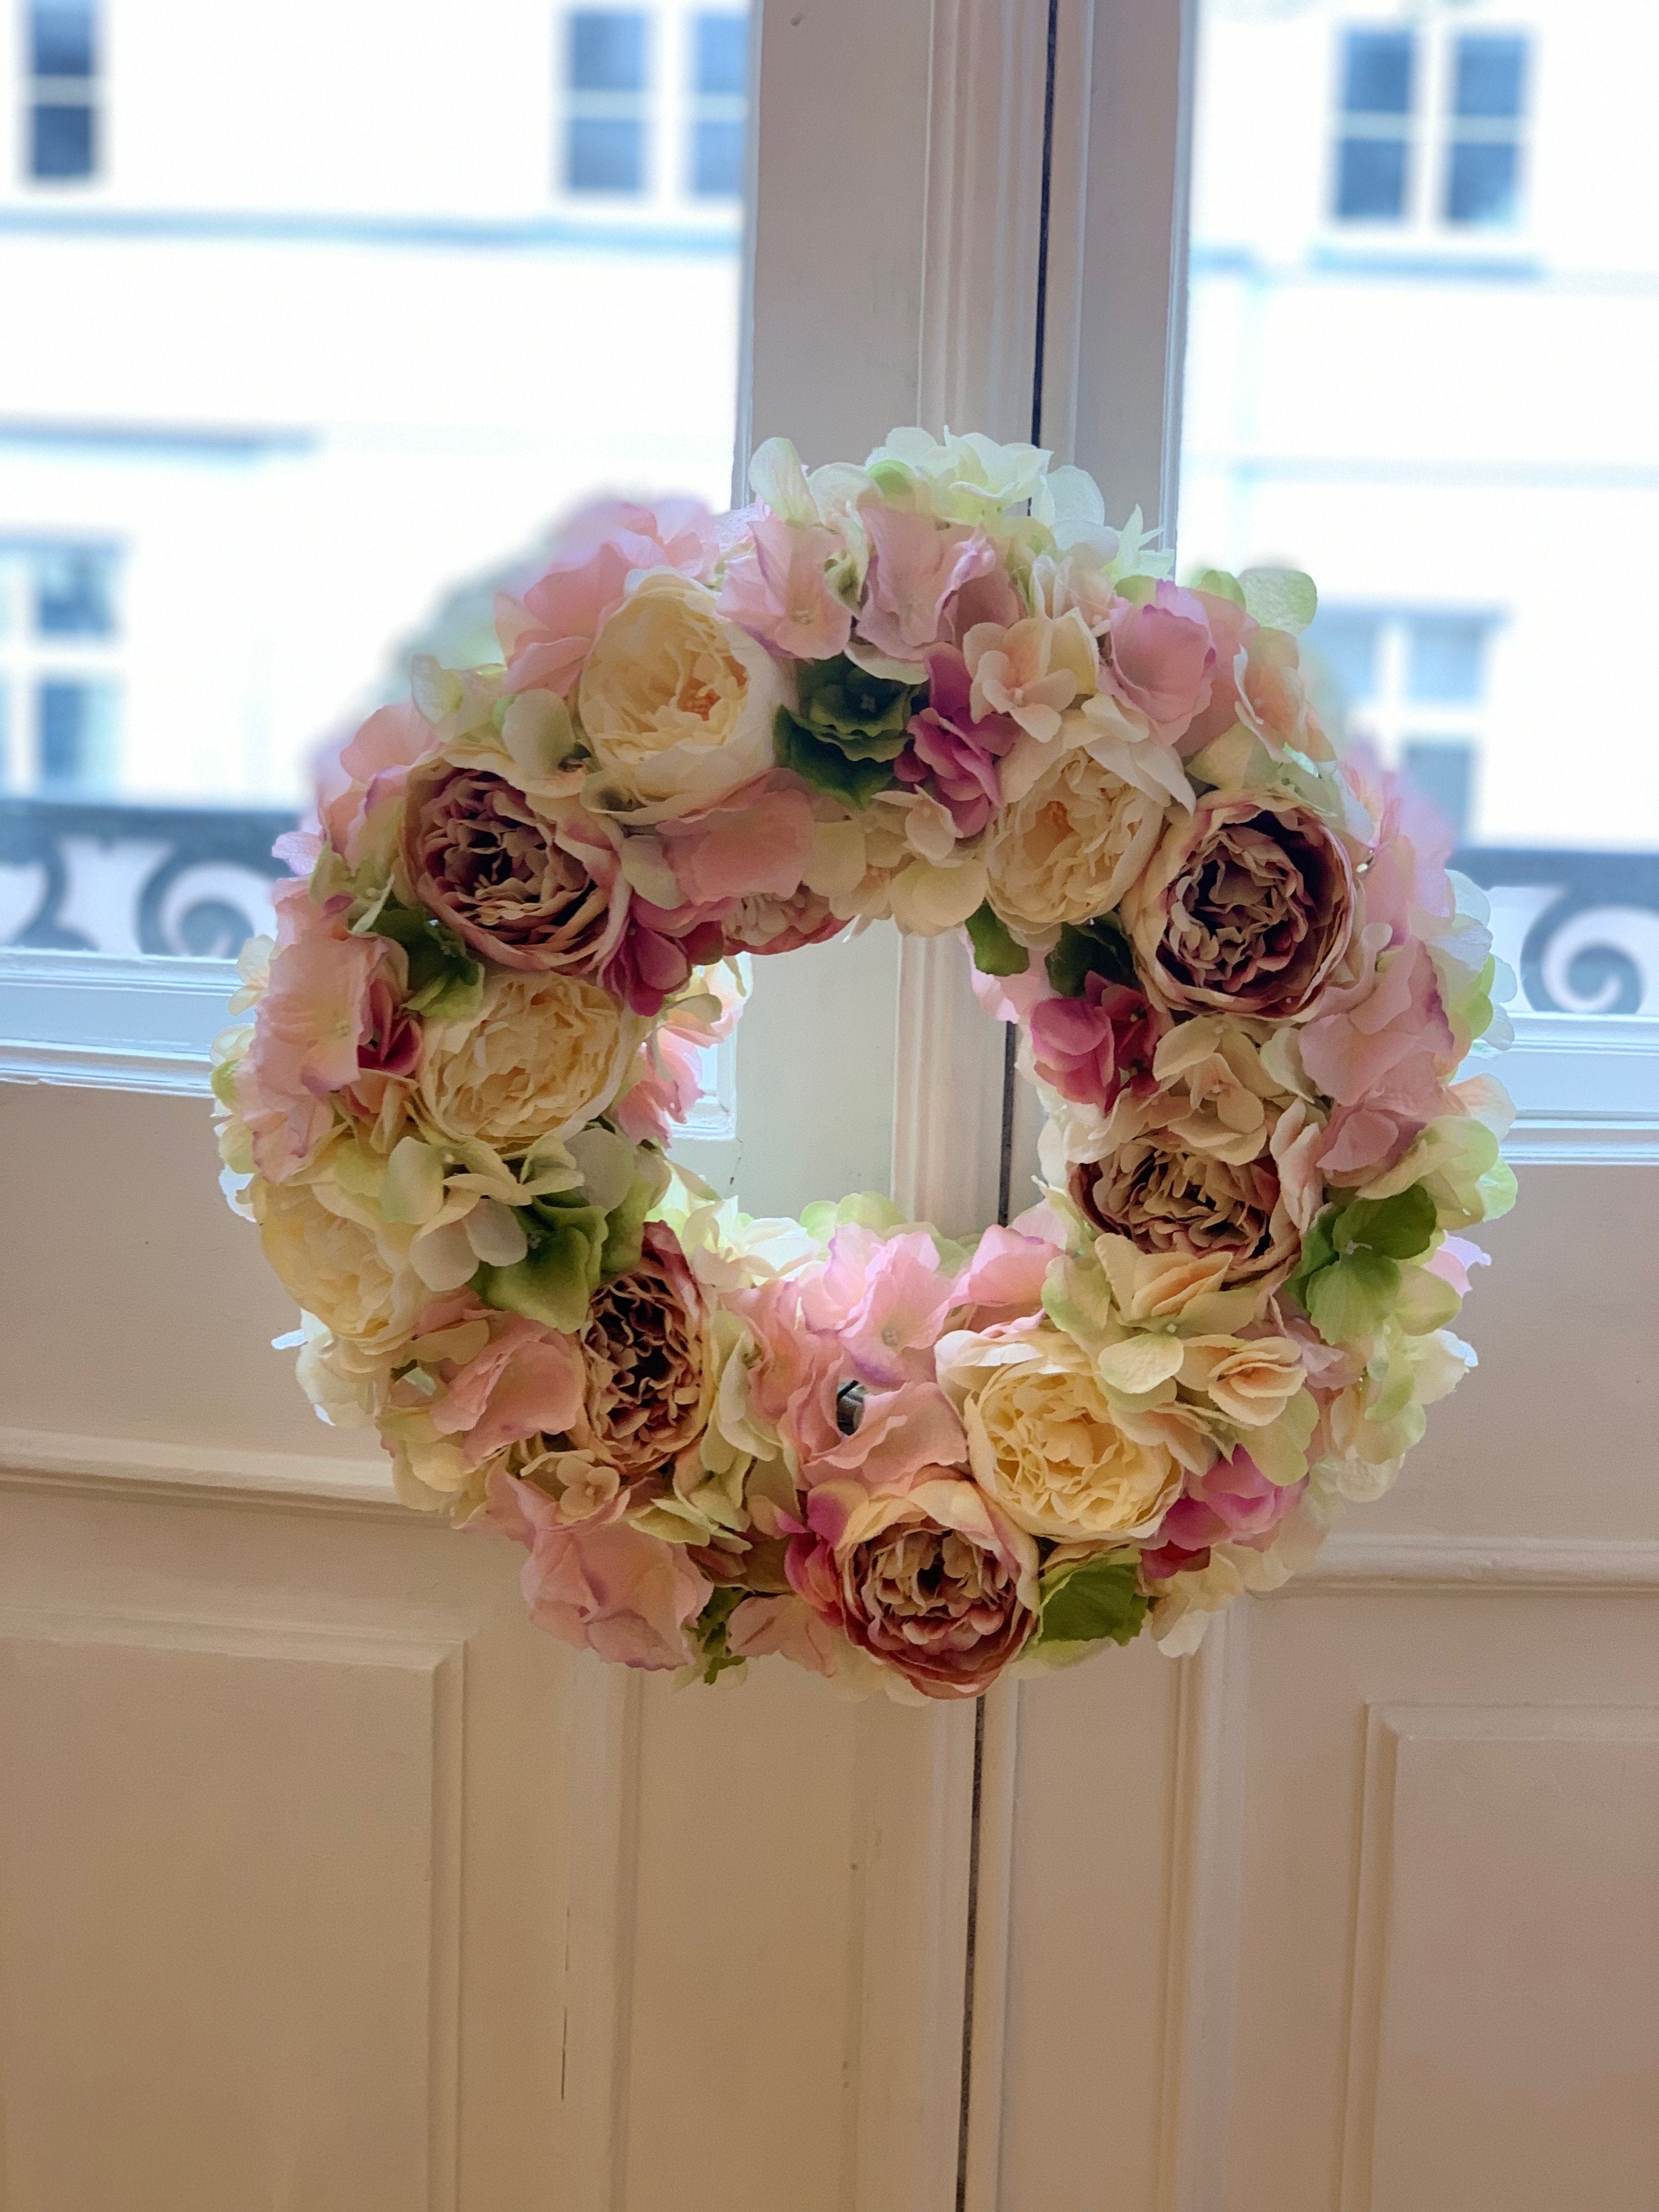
x,y
352,1278
1070,848
1042,1439
542,1057
677,705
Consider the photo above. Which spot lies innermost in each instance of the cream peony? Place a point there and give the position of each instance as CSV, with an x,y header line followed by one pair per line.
x,y
544,1056
676,704
353,1278
1042,1439
1070,848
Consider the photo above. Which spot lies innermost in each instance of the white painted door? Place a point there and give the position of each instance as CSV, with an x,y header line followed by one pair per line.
x,y
1357,1911
326,1883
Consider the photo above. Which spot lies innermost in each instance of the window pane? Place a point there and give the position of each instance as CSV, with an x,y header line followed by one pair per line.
x,y
61,142
1446,658
1481,182
604,154
1377,68
1371,180
1442,771
1491,76
1463,453
607,51
717,159
73,593
77,735
719,54
61,42
1346,645
332,395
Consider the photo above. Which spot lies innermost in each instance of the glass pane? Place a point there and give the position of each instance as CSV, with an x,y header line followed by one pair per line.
x,y
607,51
61,141
1447,659
719,54
1460,448
314,375
1480,183
1491,76
1377,72
717,159
61,37
606,154
1371,180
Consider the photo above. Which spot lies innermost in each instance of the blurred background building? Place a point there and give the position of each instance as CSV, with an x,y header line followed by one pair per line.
x,y
318,318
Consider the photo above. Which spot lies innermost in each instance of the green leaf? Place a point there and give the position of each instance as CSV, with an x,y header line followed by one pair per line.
x,y
624,1228
995,952
1090,1600
865,715
446,984
556,1280
823,765
1219,585
1400,1227
711,1629
1352,1298
1091,948
1280,599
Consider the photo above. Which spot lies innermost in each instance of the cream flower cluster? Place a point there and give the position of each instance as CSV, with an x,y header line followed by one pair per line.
x,y
935,689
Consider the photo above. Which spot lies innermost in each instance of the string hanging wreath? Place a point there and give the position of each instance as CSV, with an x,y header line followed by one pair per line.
x,y
935,687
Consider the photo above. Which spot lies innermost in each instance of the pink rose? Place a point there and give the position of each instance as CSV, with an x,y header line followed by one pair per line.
x,y
1003,1281
776,588
953,756
599,1584
1091,1049
1245,908
525,891
761,923
1233,1503
920,571
545,636
659,948
932,1581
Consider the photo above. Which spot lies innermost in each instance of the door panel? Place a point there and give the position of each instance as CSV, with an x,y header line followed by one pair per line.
x,y
1359,1906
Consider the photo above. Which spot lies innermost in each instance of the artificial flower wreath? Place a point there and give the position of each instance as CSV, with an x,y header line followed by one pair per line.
x,y
936,687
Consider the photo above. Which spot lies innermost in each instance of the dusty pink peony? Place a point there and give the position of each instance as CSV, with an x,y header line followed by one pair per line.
x,y
1232,1503
932,1581
1091,1049
525,891
545,636
951,755
1245,908
776,588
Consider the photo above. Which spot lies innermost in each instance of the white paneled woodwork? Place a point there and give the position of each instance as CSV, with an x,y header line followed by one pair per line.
x,y
1357,1911
1508,1932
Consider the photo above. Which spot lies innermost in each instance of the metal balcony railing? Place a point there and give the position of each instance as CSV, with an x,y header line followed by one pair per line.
x,y
1580,928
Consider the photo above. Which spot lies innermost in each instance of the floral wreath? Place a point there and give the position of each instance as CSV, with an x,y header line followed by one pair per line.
x,y
935,687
